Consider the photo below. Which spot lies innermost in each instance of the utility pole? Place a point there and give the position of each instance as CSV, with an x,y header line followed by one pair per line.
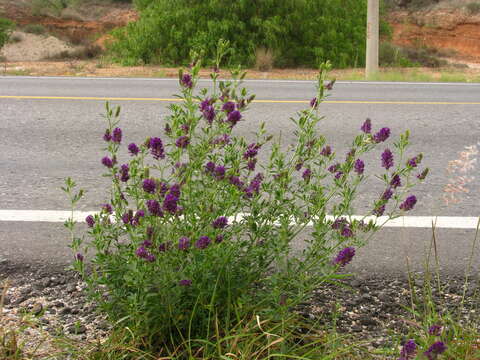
x,y
372,37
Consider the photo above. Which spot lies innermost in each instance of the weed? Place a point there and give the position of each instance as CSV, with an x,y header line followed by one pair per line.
x,y
263,59
36,29
473,7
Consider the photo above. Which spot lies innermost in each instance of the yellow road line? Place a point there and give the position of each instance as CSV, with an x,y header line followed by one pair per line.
x,y
22,97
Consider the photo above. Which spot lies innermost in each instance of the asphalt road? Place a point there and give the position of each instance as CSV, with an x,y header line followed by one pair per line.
x,y
51,128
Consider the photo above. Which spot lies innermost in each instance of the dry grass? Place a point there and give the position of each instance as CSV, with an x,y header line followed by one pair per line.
x,y
263,59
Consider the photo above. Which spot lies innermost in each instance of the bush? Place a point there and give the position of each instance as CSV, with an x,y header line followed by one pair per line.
x,y
199,235
37,29
6,27
300,33
393,56
473,8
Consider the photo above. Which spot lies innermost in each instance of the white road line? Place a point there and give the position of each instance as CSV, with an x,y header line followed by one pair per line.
x,y
444,222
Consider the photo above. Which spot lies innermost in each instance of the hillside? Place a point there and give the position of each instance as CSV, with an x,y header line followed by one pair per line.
x,y
450,29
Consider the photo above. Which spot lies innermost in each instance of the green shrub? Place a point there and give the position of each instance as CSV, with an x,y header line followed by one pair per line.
x,y
6,28
393,56
198,234
299,32
37,29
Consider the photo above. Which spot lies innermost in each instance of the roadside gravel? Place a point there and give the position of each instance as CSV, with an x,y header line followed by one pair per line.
x,y
370,309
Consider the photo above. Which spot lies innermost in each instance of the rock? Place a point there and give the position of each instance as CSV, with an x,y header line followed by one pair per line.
x,y
77,329
36,309
71,288
66,310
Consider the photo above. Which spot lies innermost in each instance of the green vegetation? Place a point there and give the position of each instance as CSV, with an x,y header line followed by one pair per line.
x,y
297,33
37,29
473,8
6,27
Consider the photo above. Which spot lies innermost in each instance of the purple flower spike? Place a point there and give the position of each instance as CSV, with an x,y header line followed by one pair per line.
x,y
107,208
219,238
185,282
228,107
344,256
183,243
367,126
408,350
203,242
106,161
234,117
252,151
107,136
338,175
307,174
154,208
220,222
170,203
147,243
186,81
382,135
117,135
79,257
379,211
387,159
395,182
133,149
251,164
413,162
182,141
423,174
409,203
156,148
149,186
359,166
314,103
326,151
150,258
141,252
210,167
90,221
219,172
204,104
124,175
162,247
209,114
347,232
333,168
437,348
435,330
387,194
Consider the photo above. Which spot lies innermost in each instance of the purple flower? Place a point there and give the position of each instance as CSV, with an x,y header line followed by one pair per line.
x,y
90,221
409,203
252,151
117,135
156,147
150,258
367,126
219,172
251,164
235,180
183,243
408,350
154,208
298,166
141,252
186,81
162,247
234,117
170,203
333,168
167,129
204,104
413,162
381,135
228,107
107,136
314,103
210,167
182,141
220,222
423,174
107,162
254,186
223,140
175,190
127,217
219,238
350,154
209,114
437,348
139,214
387,194
359,166
379,211
185,282
147,243
185,128
344,256
149,185
203,242
326,151
347,232
124,175
396,182
133,149
338,175
79,257
107,208
435,330
387,159
339,223
307,174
